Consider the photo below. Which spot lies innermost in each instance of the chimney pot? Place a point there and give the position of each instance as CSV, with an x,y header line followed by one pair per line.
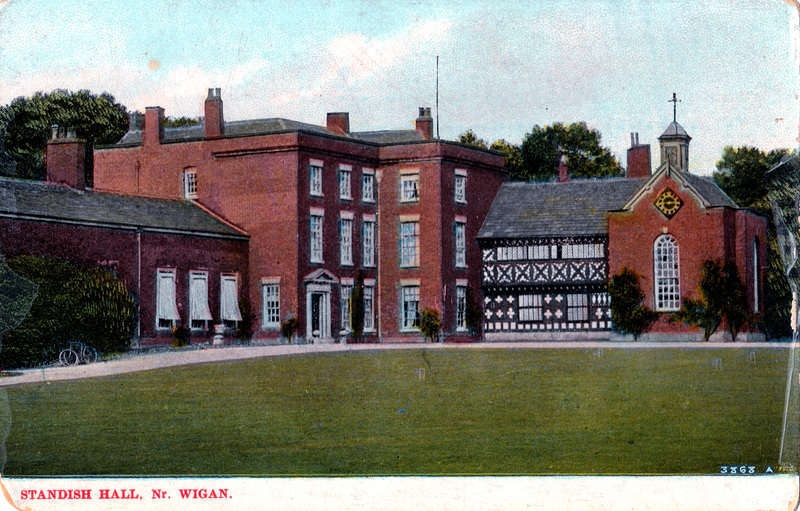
x,y
424,123
54,132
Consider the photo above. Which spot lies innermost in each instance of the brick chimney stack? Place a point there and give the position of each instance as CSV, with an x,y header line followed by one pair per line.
x,y
64,159
339,122
153,130
425,123
638,158
563,169
214,121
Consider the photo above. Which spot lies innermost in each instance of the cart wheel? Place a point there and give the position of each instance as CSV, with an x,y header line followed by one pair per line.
x,y
68,357
88,355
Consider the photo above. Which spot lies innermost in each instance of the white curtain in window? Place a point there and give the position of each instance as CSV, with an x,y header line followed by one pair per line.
x,y
198,290
167,308
229,299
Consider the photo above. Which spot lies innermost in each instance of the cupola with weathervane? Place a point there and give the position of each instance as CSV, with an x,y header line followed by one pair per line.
x,y
675,142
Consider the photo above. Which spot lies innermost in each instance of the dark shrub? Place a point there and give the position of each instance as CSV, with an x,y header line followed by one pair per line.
x,y
75,303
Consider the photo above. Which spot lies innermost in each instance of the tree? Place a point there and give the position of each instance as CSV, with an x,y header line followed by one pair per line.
x,y
512,155
742,174
472,314
470,138
25,126
430,323
542,147
357,308
628,312
180,122
722,297
74,303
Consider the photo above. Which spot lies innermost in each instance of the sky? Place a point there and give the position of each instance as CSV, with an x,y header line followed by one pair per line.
x,y
503,67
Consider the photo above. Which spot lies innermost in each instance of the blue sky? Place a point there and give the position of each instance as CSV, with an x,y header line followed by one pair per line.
x,y
503,66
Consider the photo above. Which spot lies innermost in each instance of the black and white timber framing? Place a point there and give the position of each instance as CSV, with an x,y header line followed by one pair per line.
x,y
545,284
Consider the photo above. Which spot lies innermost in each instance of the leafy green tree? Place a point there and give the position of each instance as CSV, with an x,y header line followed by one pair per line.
x,y
742,174
74,303
25,126
587,157
357,308
430,323
722,297
470,138
512,155
628,312
179,122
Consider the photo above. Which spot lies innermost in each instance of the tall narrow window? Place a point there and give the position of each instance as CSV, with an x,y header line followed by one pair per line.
x,y
190,184
315,236
461,186
666,273
229,300
345,172
166,306
369,308
461,307
199,312
346,240
577,307
756,283
368,241
368,185
315,177
461,244
409,187
344,299
409,244
530,308
271,303
410,305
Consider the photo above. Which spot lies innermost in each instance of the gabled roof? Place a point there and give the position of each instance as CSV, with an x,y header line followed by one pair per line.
x,y
257,127
39,201
575,208
703,188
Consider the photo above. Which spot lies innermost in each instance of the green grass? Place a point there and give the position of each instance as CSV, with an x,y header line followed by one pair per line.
x,y
553,411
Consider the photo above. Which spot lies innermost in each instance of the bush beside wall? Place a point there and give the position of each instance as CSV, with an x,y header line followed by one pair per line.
x,y
75,303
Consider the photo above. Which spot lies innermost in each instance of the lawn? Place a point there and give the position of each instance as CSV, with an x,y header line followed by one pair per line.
x,y
454,411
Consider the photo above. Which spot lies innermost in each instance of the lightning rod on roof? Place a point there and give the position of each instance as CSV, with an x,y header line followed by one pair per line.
x,y
437,96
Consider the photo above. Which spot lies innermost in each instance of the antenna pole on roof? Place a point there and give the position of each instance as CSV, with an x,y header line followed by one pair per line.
x,y
437,96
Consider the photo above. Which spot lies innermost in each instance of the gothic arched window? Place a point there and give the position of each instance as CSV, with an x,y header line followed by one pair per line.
x,y
666,274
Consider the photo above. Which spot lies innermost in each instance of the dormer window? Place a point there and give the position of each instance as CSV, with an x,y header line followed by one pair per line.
x,y
190,184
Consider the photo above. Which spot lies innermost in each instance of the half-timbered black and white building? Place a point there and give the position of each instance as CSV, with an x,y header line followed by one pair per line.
x,y
545,256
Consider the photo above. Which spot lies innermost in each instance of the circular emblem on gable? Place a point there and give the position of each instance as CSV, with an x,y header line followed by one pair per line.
x,y
668,203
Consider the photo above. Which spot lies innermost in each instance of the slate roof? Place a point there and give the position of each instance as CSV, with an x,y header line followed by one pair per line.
x,y
709,190
47,202
575,208
674,130
270,126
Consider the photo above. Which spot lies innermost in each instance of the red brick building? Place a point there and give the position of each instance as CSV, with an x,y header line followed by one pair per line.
x,y
550,248
322,204
183,264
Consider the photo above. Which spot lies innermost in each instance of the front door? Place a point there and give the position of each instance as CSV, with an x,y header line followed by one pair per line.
x,y
316,323
318,312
